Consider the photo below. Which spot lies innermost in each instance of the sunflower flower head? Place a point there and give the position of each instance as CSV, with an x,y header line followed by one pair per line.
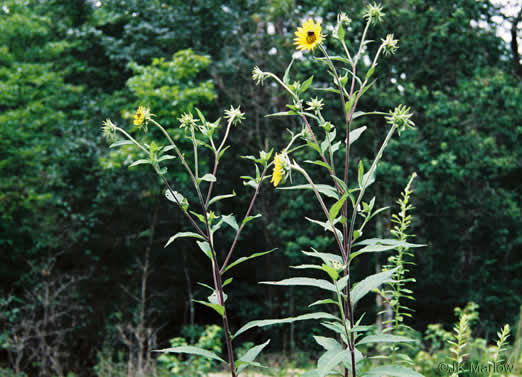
x,y
400,118
342,18
258,76
234,115
308,36
187,121
374,13
315,104
109,130
390,45
141,115
281,168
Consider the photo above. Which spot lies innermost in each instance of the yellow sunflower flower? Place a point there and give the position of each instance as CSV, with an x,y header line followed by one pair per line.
x,y
279,172
139,117
308,36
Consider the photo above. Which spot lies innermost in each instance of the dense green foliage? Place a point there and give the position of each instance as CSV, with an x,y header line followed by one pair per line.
x,y
69,207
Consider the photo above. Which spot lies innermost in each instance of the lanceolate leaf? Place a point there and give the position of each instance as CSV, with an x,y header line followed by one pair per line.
x,y
330,359
387,241
193,351
322,302
268,322
286,76
205,247
355,134
392,371
306,85
243,259
310,282
384,338
208,177
251,355
182,235
328,343
221,197
369,283
139,162
325,257
231,220
337,207
218,308
250,218
327,225
120,143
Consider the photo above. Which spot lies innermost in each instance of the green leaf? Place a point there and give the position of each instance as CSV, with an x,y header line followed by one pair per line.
x,y
387,241
331,90
360,174
182,235
368,178
250,218
213,298
320,163
243,259
208,177
221,197
332,272
230,220
222,151
168,148
336,327
327,190
328,343
340,31
355,134
370,72
314,146
392,371
330,359
310,282
139,162
376,245
120,143
170,197
166,157
286,77
307,266
369,283
192,351
325,257
306,85
340,182
205,247
218,308
282,113
201,116
206,286
367,87
323,302
334,210
327,226
341,284
384,338
349,104
268,322
227,282
251,355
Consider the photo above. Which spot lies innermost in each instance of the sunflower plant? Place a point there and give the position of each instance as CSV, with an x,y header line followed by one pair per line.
x,y
344,209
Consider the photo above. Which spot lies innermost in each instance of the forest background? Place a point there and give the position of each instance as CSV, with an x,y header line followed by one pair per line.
x,y
82,235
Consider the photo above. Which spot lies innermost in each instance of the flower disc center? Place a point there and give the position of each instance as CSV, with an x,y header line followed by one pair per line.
x,y
310,37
